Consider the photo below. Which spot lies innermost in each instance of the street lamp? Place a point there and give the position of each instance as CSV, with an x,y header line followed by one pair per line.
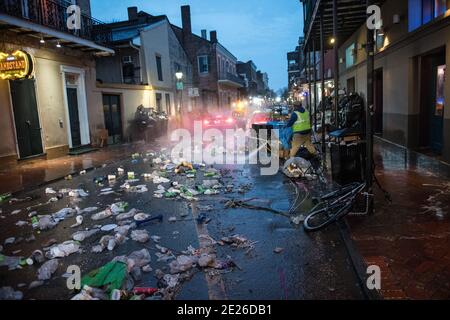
x,y
180,87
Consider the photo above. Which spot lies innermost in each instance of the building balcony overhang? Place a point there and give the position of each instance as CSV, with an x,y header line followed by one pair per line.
x,y
22,27
351,15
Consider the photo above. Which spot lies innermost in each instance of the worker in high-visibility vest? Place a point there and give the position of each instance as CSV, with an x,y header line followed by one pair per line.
x,y
301,126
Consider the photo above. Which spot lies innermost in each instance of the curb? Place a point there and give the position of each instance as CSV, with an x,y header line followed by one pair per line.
x,y
357,260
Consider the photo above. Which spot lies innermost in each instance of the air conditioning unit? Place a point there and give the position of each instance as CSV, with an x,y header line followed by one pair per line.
x,y
127,59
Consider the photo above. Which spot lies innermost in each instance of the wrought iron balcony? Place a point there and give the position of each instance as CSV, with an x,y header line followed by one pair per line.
x,y
53,14
231,79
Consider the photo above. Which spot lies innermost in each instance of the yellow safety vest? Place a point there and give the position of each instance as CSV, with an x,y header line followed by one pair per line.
x,y
303,122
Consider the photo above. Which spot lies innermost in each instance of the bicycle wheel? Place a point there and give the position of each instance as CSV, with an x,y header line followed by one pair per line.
x,y
320,219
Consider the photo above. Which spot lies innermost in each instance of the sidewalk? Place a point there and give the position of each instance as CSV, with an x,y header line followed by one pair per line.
x,y
410,238
32,173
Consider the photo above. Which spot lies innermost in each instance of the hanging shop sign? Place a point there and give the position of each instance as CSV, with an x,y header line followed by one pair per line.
x,y
16,65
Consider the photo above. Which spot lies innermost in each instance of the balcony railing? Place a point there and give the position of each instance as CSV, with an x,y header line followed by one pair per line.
x,y
232,78
53,14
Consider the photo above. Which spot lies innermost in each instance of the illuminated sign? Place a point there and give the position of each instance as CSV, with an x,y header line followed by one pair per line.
x,y
17,65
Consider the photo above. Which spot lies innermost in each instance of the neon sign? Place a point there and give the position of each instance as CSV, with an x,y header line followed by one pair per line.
x,y
17,65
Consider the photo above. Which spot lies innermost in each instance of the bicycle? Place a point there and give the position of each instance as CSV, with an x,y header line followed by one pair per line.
x,y
334,206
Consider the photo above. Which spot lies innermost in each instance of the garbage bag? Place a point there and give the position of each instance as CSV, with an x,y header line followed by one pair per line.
x,y
295,167
111,276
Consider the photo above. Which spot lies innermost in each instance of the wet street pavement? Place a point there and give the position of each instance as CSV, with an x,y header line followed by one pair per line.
x,y
271,259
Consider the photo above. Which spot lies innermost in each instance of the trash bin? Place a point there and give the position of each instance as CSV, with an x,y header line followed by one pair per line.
x,y
348,162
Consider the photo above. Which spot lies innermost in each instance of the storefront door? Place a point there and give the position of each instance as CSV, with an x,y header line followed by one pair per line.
x,y
26,118
72,101
113,119
432,102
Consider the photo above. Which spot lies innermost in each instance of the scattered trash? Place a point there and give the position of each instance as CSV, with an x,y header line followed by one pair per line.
x,y
21,223
38,256
8,293
278,250
141,236
11,262
108,227
35,284
50,191
62,250
109,277
79,221
102,215
80,236
10,240
141,217
182,264
46,271
172,219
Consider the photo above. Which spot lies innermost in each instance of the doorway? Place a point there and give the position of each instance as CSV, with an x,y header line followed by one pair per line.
x,y
113,118
432,69
26,118
75,101
378,102
74,117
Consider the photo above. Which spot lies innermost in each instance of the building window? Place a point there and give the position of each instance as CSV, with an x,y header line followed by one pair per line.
x,y
350,55
177,67
159,68
203,64
421,12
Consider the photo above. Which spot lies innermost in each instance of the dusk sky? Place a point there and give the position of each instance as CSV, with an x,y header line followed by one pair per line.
x,y
260,30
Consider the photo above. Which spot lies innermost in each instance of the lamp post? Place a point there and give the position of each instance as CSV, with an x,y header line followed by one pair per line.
x,y
180,87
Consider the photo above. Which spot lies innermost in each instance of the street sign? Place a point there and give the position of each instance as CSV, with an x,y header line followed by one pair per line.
x,y
193,93
180,86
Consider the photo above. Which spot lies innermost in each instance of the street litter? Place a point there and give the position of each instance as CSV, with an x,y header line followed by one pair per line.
x,y
119,207
63,250
141,217
50,191
45,223
46,271
109,277
21,223
156,239
38,256
102,215
171,280
63,213
86,210
278,250
141,236
83,235
79,221
182,264
10,240
8,293
128,215
108,227
11,262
